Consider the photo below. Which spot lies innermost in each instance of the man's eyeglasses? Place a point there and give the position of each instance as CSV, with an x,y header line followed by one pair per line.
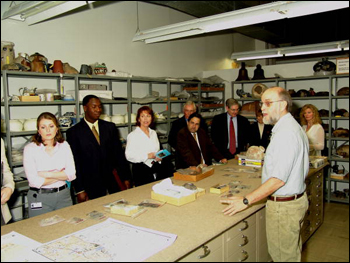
x,y
268,103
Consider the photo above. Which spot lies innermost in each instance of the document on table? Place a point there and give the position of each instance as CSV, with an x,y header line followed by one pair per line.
x,y
18,248
109,241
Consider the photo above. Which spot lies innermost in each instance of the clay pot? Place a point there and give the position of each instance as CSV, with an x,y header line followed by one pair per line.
x,y
68,69
258,89
343,91
7,53
37,63
23,59
258,73
57,67
243,73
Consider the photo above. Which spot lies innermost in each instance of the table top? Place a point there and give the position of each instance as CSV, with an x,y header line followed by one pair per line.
x,y
194,223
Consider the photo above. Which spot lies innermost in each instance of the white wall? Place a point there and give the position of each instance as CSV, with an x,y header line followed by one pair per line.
x,y
104,34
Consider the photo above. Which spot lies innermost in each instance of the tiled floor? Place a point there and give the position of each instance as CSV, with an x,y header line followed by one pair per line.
x,y
330,243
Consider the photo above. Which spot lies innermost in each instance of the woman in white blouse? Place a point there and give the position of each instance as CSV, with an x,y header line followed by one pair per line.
x,y
142,144
48,163
311,122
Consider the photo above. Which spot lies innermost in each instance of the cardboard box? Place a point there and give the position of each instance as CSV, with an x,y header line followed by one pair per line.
x,y
340,176
125,210
243,160
29,98
193,178
219,188
172,200
200,192
92,87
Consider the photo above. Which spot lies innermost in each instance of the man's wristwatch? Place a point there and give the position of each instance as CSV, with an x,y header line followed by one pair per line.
x,y
245,201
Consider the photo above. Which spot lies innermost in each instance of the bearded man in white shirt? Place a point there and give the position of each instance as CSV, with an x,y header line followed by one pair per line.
x,y
285,168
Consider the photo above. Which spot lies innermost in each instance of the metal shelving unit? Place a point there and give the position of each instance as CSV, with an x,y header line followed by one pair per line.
x,y
333,121
77,78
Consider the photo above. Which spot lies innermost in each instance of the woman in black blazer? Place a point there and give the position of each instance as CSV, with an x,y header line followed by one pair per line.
x,y
260,132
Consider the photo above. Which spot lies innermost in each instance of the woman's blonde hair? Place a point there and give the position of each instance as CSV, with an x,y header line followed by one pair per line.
x,y
316,119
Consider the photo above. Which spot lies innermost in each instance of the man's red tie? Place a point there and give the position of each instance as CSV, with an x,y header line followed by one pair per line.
x,y
232,138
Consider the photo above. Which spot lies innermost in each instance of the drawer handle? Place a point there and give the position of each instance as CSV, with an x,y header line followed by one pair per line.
x,y
245,238
245,227
246,256
206,252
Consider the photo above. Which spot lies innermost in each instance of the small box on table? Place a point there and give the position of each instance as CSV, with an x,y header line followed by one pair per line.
x,y
193,178
243,160
172,200
219,188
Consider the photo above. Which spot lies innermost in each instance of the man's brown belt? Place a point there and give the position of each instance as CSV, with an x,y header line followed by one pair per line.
x,y
285,198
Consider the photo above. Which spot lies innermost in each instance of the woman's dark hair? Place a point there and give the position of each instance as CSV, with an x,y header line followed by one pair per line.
x,y
48,116
149,111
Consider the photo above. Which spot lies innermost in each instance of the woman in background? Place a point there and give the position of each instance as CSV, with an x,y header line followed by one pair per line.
x,y
7,186
311,123
142,145
48,163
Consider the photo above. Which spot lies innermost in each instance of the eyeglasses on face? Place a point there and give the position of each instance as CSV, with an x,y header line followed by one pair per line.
x,y
268,103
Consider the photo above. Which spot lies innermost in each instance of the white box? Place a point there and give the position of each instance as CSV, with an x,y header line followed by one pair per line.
x,y
317,161
103,94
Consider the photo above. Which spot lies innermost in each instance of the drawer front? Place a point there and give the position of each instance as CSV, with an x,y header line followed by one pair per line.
x,y
245,227
244,254
211,251
240,240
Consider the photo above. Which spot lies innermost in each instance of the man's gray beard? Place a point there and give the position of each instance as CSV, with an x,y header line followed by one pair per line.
x,y
273,120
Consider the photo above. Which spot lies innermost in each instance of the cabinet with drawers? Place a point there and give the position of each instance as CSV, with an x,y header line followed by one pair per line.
x,y
240,241
314,215
211,251
244,242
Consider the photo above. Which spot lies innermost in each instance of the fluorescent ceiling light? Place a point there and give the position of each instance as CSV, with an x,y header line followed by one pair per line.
x,y
243,17
345,46
270,53
36,11
292,51
312,49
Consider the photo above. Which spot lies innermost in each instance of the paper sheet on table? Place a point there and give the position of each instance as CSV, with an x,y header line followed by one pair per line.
x,y
18,248
109,241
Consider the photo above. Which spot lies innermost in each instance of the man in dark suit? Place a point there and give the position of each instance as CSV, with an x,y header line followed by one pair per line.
x,y
194,146
188,109
260,132
97,152
230,131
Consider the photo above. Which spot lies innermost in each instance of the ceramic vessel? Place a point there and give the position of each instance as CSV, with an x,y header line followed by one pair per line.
x,y
105,117
65,122
15,126
118,119
7,53
133,118
30,125
37,62
57,67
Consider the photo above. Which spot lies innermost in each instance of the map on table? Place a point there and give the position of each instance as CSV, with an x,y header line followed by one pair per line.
x,y
109,241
